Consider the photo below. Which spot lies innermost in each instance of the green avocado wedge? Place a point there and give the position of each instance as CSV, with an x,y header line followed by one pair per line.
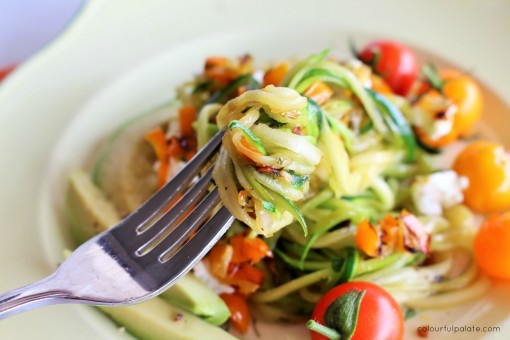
x,y
194,296
88,211
155,319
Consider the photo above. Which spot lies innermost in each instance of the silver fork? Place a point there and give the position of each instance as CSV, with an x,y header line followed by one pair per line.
x,y
141,256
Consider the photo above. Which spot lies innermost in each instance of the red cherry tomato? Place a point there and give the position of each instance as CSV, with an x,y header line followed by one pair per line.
x,y
379,318
396,63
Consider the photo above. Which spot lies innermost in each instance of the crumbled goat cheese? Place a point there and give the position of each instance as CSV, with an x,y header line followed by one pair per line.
x,y
201,271
258,76
431,193
173,128
175,167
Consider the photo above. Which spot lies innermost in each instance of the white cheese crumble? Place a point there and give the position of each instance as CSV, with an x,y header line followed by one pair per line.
x,y
173,129
258,76
201,271
431,193
174,167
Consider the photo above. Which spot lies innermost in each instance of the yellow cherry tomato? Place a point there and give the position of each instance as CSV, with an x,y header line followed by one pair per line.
x,y
465,93
487,166
492,246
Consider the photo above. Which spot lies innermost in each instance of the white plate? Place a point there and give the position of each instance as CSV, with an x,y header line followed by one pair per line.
x,y
108,39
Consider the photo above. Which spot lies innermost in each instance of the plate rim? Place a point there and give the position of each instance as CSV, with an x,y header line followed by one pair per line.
x,y
23,74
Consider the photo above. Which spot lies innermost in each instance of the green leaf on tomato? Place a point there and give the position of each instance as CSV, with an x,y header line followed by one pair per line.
x,y
342,314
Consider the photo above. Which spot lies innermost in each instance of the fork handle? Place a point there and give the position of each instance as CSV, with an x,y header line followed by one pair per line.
x,y
38,294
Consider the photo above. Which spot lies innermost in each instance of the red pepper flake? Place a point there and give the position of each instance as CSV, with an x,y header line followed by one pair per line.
x,y
297,130
268,169
242,89
178,317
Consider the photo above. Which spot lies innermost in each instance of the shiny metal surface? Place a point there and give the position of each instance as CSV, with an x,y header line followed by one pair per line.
x,y
141,256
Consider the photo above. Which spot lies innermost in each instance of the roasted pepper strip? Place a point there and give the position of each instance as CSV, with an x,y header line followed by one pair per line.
x,y
157,139
319,92
367,239
275,75
187,115
240,316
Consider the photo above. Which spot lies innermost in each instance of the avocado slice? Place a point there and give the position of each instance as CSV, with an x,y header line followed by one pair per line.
x,y
124,168
90,213
193,295
155,319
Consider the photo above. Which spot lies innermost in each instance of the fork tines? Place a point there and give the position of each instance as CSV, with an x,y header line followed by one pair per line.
x,y
168,233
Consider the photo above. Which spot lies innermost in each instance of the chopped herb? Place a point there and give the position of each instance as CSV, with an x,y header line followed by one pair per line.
x,y
297,181
268,206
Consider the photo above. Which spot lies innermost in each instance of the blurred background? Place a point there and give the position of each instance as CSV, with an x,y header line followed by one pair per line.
x,y
28,25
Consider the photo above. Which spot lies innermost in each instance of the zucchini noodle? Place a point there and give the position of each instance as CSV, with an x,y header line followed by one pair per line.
x,y
452,298
272,163
292,286
205,130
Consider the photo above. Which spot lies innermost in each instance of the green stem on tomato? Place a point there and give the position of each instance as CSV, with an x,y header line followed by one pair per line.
x,y
433,78
323,330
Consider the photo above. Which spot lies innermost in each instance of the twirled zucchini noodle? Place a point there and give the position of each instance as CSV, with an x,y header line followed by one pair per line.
x,y
267,157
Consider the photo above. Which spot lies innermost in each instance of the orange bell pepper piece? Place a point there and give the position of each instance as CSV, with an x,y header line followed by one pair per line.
x,y
275,75
240,316
187,115
157,139
219,258
319,92
249,249
379,85
220,69
246,272
367,239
